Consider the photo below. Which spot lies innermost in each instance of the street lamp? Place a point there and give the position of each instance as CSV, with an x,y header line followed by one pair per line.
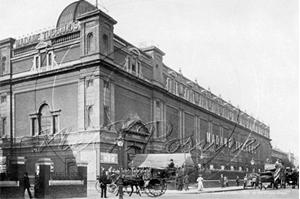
x,y
120,143
252,163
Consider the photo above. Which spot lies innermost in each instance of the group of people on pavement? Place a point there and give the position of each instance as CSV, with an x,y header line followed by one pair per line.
x,y
224,181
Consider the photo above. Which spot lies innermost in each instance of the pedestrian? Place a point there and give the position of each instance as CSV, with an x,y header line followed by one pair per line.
x,y
245,181
103,180
27,184
237,180
226,181
179,183
222,181
186,182
200,183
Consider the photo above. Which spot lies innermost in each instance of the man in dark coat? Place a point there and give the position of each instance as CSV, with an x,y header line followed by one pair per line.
x,y
103,184
237,180
27,184
171,164
222,181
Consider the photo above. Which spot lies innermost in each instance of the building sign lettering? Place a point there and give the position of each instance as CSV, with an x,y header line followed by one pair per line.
x,y
48,34
219,141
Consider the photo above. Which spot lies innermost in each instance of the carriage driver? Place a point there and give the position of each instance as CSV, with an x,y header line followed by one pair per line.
x,y
171,164
171,168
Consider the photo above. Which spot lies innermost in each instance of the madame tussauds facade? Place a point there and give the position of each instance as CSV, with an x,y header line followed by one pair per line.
x,y
74,92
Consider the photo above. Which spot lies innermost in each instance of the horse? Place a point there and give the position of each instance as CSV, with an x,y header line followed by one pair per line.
x,y
136,181
132,181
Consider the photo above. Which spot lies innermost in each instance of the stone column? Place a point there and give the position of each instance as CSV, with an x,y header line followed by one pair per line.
x,y
82,171
44,177
18,170
18,167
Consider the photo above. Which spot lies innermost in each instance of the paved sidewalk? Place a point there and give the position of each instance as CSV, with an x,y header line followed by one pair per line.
x,y
193,190
93,194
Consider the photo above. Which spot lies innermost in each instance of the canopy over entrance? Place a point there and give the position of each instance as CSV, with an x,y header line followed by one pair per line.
x,y
160,161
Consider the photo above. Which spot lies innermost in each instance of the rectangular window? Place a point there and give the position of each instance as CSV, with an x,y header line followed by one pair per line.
x,y
37,61
55,124
50,59
169,85
176,88
34,126
209,104
3,127
186,93
133,68
43,59
180,90
158,116
138,68
191,97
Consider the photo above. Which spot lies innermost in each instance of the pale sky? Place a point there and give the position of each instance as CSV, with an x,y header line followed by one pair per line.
x,y
245,50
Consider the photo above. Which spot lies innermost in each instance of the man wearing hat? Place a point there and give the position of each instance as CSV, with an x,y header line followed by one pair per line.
x,y
27,184
200,183
170,169
171,164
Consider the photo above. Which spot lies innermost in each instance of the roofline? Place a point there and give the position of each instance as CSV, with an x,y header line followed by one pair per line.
x,y
7,40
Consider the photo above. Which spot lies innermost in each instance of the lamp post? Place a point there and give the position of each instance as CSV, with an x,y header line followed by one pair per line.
x,y
120,143
252,163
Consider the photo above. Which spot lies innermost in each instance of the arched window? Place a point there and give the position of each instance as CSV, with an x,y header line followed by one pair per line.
x,y
90,42
45,119
90,115
3,65
105,43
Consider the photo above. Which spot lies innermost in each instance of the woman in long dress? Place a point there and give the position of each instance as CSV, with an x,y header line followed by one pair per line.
x,y
200,183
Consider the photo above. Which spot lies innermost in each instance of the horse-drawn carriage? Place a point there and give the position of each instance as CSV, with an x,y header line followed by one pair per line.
x,y
153,175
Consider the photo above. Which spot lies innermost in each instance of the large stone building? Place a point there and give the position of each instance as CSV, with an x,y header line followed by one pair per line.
x,y
278,154
68,94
